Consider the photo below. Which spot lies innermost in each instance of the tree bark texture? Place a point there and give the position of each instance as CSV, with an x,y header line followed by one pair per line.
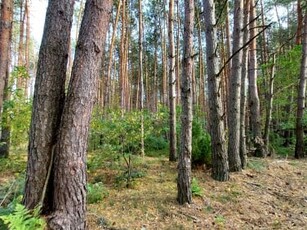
x,y
299,146
5,37
234,91
184,164
254,102
172,84
69,204
49,94
218,144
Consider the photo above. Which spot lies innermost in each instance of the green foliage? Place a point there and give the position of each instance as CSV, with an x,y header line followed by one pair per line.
x,y
256,164
196,189
201,144
96,192
122,132
23,219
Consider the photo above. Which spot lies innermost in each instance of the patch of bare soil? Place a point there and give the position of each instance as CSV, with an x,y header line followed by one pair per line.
x,y
269,194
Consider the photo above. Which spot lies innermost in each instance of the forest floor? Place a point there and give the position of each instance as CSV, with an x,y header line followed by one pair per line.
x,y
269,194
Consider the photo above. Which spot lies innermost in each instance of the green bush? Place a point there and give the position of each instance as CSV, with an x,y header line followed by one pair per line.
x,y
201,144
96,192
196,189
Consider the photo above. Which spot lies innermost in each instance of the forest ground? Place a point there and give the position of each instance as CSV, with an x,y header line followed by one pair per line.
x,y
270,194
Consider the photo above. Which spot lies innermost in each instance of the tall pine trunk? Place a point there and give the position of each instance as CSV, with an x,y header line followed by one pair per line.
x,y
69,204
299,147
172,84
219,151
184,164
49,94
234,91
254,102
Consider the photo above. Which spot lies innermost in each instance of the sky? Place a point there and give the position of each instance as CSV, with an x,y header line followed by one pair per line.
x,y
37,17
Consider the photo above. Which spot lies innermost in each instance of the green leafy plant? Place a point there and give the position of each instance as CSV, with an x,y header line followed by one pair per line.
x,y
23,219
96,192
201,144
196,189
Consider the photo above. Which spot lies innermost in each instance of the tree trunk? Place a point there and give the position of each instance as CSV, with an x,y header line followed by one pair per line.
x,y
70,157
298,38
184,164
219,152
254,102
21,49
141,74
299,147
5,42
48,100
172,84
27,48
269,106
243,151
234,91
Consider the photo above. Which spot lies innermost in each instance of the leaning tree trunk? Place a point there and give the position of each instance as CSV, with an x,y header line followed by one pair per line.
x,y
184,164
254,102
5,35
234,91
49,94
299,147
217,131
70,152
172,84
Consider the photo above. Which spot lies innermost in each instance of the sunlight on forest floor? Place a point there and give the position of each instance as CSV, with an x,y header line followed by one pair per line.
x,y
270,194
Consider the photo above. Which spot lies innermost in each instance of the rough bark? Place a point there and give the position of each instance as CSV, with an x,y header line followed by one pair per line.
x,y
5,35
70,156
254,102
299,146
234,92
184,164
243,151
172,84
219,152
48,99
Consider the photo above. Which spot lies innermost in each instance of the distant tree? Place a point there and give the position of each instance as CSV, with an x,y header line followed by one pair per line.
x,y
184,164
299,147
217,131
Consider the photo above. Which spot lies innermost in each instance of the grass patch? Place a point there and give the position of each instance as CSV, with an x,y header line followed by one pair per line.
x,y
256,164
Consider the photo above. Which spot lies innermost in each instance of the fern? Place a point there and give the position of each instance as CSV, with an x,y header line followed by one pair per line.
x,y
23,219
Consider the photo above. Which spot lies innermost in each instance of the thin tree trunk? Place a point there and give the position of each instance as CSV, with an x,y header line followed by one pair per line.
x,y
299,147
141,74
298,39
234,92
48,101
70,159
27,48
184,164
269,108
172,84
243,151
21,49
219,152
5,41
